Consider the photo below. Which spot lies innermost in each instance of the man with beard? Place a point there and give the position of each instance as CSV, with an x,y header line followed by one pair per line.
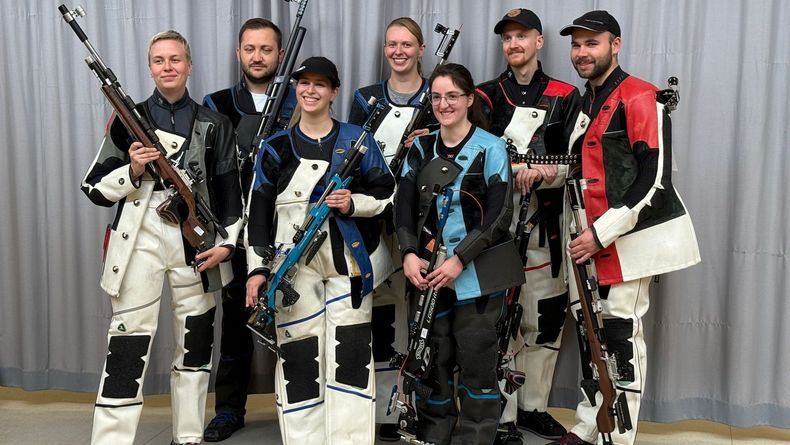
x,y
638,225
259,54
535,113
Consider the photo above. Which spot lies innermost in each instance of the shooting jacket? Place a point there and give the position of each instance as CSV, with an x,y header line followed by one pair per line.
x,y
539,117
391,129
287,182
237,104
635,212
481,208
208,148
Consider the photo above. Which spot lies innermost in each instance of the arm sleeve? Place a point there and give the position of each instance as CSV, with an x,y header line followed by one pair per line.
x,y
378,184
646,125
263,195
407,201
108,179
359,109
498,205
225,182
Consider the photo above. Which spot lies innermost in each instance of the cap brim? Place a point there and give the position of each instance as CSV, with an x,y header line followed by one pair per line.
x,y
567,30
500,26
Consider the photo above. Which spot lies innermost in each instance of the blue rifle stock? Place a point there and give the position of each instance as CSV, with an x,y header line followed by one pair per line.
x,y
284,264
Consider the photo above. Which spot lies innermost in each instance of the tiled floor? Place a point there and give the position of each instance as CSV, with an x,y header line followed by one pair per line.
x,y
64,418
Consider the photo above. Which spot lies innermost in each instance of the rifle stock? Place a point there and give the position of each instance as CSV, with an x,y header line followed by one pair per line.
x,y
613,410
275,92
283,263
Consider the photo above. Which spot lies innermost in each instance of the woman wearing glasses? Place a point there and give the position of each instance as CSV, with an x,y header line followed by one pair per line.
x,y
456,186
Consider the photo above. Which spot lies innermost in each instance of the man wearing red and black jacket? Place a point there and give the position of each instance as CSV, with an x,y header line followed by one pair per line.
x,y
638,225
534,112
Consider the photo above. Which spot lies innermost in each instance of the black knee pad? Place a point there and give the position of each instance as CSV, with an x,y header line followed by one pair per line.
x,y
300,369
125,365
383,330
618,340
551,317
352,354
199,339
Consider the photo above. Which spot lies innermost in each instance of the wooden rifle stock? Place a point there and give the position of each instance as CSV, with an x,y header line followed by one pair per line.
x,y
587,287
182,207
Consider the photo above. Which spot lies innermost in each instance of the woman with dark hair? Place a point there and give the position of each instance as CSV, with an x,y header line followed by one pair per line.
x,y
323,378
455,192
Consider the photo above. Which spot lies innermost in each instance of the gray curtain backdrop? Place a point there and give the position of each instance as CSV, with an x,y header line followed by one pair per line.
x,y
716,333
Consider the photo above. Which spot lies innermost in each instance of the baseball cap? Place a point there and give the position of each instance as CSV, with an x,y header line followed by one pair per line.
x,y
523,17
597,21
318,65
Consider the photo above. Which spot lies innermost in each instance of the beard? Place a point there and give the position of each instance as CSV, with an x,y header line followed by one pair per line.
x,y
600,66
260,79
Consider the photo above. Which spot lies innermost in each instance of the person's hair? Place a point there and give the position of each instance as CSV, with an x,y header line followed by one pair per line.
x,y
414,29
462,78
170,35
259,23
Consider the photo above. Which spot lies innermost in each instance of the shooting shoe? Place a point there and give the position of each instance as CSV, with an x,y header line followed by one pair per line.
x,y
222,426
570,439
541,424
508,434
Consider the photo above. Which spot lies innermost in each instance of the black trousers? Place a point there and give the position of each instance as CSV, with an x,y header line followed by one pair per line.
x,y
467,342
236,346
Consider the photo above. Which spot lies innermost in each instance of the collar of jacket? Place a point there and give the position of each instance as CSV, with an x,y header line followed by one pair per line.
x,y
594,97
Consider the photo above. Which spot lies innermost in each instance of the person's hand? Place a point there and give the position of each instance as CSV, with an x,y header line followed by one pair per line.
x,y
212,257
445,274
254,283
413,268
140,156
340,200
583,247
414,135
547,171
525,178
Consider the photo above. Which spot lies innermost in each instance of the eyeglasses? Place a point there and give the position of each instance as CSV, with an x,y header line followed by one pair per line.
x,y
451,98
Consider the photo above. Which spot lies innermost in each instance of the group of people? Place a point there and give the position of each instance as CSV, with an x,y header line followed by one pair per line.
x,y
457,188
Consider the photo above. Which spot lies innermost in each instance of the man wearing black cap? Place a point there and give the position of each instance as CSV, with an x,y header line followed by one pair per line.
x,y
638,226
536,113
259,54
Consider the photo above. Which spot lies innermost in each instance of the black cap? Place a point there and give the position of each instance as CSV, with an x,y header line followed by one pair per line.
x,y
318,65
523,17
597,21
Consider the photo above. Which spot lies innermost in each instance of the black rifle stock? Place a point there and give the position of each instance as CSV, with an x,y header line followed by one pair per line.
x,y
449,36
184,206
275,92
613,407
418,360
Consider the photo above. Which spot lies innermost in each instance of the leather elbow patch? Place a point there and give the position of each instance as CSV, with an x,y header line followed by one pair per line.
x,y
300,369
199,339
125,365
352,354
